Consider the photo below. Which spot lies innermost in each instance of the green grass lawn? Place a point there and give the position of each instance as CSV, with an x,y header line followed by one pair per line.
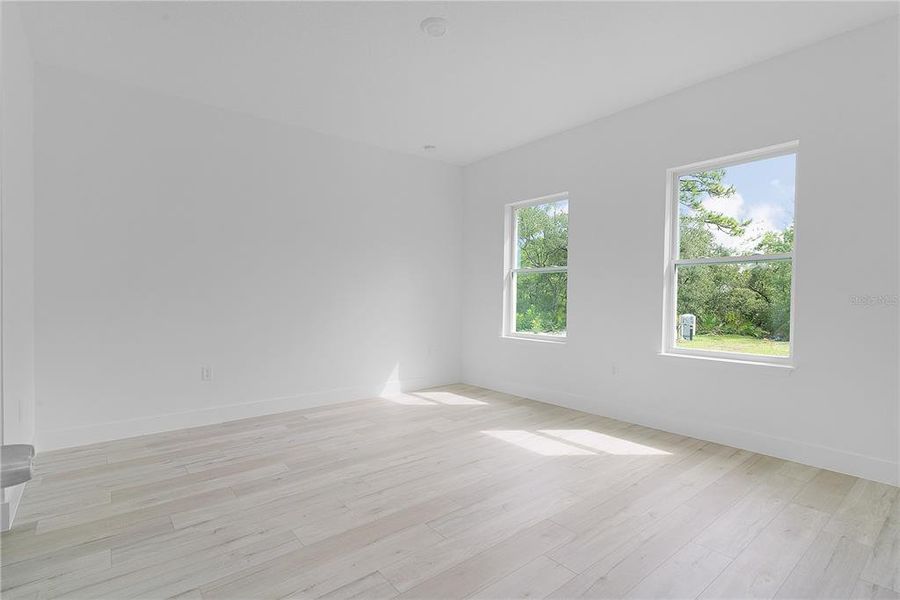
x,y
737,343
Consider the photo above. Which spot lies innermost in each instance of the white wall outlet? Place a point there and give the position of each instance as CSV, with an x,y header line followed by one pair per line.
x,y
205,373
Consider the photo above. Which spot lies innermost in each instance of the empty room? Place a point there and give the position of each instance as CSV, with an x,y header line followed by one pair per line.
x,y
445,300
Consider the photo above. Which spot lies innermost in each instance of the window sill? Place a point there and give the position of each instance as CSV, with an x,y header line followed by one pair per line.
x,y
546,339
786,366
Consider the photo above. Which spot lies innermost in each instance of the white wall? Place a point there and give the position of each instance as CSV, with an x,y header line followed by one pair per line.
x,y
17,197
839,407
302,268
17,233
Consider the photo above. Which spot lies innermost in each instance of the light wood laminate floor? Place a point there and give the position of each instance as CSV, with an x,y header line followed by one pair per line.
x,y
455,492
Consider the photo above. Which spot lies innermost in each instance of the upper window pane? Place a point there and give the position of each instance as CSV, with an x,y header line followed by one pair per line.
x,y
543,235
740,210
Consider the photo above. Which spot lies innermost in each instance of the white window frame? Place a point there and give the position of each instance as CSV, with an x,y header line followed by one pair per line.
x,y
670,292
510,271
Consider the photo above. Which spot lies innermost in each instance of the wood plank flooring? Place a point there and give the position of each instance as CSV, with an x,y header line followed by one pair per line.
x,y
454,492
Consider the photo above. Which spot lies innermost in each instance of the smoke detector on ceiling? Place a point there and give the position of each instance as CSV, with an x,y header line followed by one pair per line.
x,y
434,26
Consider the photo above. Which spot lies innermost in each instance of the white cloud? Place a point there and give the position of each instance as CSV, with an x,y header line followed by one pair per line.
x,y
732,205
764,217
761,222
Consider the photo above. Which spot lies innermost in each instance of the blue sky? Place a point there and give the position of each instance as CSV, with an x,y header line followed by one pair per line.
x,y
767,183
764,193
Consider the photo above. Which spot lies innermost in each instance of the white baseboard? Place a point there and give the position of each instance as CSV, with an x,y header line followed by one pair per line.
x,y
858,465
11,498
115,430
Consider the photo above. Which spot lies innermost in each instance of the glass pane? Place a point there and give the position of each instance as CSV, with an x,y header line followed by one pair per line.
x,y
742,307
543,232
541,303
740,210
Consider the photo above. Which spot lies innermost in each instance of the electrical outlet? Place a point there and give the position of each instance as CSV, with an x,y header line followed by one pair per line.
x,y
205,373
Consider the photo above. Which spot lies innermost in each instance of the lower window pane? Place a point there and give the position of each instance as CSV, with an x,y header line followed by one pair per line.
x,y
541,303
740,307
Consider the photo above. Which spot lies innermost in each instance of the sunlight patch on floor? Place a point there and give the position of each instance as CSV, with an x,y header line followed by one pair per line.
x,y
433,399
408,400
450,398
603,442
538,444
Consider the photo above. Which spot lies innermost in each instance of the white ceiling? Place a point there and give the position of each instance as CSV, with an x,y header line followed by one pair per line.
x,y
504,74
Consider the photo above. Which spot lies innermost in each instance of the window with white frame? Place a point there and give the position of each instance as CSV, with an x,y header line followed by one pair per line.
x,y
537,234
729,279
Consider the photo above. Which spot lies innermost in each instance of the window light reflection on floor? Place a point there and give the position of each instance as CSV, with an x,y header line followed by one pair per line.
x,y
450,398
538,444
408,400
603,442
433,399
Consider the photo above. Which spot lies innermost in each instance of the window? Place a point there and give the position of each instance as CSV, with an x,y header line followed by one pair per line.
x,y
729,275
537,268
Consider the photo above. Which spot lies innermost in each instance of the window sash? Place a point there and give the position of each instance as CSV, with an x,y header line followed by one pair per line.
x,y
539,270
512,306
724,260
671,338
